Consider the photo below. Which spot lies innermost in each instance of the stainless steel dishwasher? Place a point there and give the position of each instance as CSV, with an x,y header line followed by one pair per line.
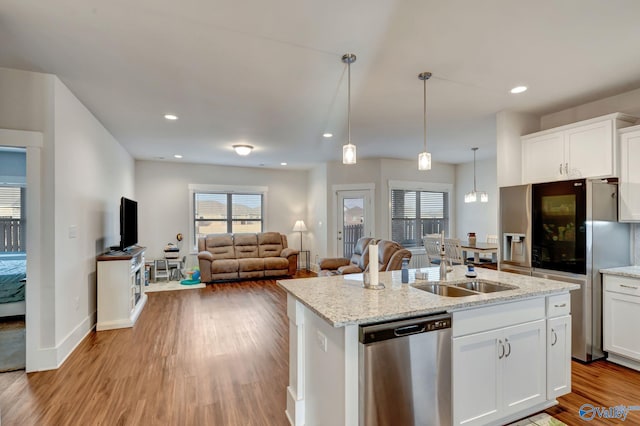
x,y
405,372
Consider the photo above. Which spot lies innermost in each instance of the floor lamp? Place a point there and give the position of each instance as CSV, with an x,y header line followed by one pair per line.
x,y
300,227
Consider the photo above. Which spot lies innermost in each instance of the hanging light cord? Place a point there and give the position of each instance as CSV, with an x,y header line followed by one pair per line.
x,y
425,113
349,100
474,169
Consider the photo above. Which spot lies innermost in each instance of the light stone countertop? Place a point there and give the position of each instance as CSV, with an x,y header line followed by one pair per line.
x,y
341,300
623,271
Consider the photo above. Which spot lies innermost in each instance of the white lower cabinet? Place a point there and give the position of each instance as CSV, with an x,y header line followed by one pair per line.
x,y
558,356
498,373
621,320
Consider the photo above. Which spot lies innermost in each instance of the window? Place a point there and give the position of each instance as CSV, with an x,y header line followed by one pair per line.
x,y
415,213
220,212
12,223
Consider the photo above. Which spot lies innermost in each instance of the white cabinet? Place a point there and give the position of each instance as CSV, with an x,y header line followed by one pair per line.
x,y
558,356
586,149
621,320
121,282
498,373
629,197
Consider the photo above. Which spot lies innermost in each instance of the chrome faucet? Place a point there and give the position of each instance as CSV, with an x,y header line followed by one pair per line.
x,y
443,259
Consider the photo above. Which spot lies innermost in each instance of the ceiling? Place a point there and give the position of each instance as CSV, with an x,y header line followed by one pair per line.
x,y
268,73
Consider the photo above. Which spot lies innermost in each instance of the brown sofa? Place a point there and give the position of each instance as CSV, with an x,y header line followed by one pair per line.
x,y
226,257
390,256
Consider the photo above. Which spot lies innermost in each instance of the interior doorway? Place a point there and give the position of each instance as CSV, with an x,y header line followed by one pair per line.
x,y
13,258
355,219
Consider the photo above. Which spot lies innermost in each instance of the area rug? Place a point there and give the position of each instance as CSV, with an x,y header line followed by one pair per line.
x,y
170,286
541,419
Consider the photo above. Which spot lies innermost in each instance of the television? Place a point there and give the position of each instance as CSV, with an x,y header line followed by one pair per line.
x,y
128,223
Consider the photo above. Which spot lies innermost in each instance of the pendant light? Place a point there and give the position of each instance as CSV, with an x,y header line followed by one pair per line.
x,y
472,197
349,150
424,158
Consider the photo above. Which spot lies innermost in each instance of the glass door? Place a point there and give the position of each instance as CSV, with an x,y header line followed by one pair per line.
x,y
353,220
559,226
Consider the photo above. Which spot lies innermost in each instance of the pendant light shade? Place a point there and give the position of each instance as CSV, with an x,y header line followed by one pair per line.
x,y
349,150
424,158
473,196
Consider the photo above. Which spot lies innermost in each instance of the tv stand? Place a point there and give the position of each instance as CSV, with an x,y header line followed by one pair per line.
x,y
121,283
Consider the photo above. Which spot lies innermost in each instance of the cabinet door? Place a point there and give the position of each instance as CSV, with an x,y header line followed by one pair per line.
x,y
524,366
543,158
589,150
621,316
629,177
475,369
558,356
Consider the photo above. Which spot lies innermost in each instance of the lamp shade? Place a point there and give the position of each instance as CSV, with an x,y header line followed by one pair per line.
x,y
299,226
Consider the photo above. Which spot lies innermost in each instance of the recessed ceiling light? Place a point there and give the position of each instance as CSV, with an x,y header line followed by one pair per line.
x,y
178,156
171,117
519,89
327,135
283,164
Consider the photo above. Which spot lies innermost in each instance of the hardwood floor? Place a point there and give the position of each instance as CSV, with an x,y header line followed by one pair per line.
x,y
213,356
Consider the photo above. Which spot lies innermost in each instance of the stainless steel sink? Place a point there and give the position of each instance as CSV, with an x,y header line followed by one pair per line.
x,y
484,286
462,289
445,290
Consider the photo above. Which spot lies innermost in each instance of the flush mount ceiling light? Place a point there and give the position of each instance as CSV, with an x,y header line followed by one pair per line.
x,y
177,156
349,150
424,158
243,149
283,164
519,89
171,117
473,196
327,135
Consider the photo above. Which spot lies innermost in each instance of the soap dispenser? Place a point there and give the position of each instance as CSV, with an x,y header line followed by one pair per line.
x,y
405,271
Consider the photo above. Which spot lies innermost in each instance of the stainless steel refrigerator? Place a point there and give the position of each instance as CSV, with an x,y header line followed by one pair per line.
x,y
566,231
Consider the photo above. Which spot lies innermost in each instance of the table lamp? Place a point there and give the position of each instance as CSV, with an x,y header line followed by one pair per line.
x,y
300,227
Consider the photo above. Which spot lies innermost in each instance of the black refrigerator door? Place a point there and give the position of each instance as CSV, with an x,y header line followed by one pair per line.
x,y
559,226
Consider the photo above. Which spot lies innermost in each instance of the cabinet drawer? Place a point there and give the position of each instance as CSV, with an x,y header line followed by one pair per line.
x,y
558,305
622,285
477,320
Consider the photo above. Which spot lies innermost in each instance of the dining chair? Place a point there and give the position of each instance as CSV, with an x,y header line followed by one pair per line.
x,y
453,251
432,248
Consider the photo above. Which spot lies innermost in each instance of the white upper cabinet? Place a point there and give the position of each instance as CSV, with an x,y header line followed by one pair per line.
x,y
629,196
586,149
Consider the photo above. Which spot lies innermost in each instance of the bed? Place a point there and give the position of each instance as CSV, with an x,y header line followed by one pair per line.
x,y
13,273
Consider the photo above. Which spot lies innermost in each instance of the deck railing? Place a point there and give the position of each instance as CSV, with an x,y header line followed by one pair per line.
x,y
12,235
352,233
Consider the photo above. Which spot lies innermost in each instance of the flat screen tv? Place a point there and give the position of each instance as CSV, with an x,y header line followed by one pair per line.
x,y
128,223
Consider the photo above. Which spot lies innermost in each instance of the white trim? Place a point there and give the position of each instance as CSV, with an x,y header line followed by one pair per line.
x,y
240,189
360,187
21,138
424,186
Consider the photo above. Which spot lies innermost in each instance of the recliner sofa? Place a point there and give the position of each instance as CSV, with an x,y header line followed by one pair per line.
x,y
390,256
228,257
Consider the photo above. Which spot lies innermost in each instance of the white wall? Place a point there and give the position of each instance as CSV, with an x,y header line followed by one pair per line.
x,y
81,168
316,239
481,218
92,172
509,127
162,193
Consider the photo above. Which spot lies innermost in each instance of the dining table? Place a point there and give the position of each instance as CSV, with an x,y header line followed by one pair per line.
x,y
478,248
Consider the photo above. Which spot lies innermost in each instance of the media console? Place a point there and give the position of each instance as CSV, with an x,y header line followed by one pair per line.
x,y
121,282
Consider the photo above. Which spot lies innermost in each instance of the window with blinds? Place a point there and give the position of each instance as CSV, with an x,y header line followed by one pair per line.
x,y
222,212
10,202
417,213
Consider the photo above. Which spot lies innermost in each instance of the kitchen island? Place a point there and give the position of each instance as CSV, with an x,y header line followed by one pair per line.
x,y
530,321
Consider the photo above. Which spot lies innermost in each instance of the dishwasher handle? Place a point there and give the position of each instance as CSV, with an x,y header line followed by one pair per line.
x,y
409,329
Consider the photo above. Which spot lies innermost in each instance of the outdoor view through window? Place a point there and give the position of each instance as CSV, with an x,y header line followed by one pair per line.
x,y
217,213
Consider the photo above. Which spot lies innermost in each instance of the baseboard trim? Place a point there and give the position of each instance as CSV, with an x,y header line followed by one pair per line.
x,y
53,357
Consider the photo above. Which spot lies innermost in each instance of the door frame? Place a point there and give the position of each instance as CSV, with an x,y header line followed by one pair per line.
x,y
360,187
